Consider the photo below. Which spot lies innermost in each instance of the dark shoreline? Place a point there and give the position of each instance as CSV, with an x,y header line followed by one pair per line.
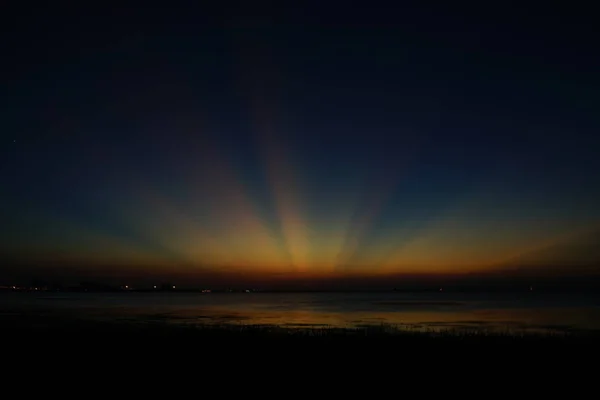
x,y
90,345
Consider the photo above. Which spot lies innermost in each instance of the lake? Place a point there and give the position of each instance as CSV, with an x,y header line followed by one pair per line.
x,y
527,311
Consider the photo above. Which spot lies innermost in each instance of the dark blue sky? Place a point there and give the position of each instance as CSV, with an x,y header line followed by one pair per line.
x,y
295,143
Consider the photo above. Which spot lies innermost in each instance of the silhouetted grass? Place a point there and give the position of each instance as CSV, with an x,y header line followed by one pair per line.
x,y
253,349
102,349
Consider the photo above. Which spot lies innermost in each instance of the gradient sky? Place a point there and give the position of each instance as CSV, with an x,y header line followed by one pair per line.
x,y
199,145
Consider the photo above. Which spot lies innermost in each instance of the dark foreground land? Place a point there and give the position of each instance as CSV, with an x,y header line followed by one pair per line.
x,y
49,344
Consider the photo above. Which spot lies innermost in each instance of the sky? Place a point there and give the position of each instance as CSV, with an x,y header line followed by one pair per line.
x,y
299,145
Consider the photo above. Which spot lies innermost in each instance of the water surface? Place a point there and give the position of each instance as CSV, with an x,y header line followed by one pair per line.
x,y
513,311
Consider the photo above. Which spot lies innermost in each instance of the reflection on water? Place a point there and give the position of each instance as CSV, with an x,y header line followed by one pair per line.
x,y
414,311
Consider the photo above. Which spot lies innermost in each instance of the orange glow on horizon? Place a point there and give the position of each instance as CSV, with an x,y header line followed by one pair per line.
x,y
165,238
